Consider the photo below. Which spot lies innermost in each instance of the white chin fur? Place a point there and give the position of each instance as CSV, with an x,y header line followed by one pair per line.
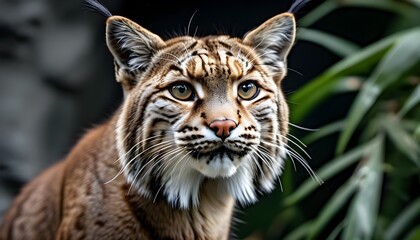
x,y
217,168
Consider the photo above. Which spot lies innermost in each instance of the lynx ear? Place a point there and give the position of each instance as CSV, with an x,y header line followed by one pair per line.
x,y
273,40
132,47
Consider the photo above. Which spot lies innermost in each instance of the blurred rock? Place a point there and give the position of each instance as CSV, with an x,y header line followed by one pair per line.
x,y
56,77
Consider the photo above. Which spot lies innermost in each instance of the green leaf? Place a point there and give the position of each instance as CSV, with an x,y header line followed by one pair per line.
x,y
298,233
323,132
413,234
402,140
411,102
363,211
329,170
403,220
417,134
330,208
415,2
318,13
324,85
410,125
329,6
337,45
334,234
398,62
385,5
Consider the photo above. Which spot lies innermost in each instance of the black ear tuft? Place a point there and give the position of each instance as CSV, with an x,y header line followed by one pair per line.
x,y
96,6
297,5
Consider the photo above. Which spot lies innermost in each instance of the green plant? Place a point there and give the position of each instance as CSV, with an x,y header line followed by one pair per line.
x,y
378,140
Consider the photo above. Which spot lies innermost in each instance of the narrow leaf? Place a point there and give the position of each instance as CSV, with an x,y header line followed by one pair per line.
x,y
411,102
414,234
323,132
402,140
329,170
334,234
337,45
363,211
417,133
400,224
298,233
398,62
336,202
327,7
321,87
318,13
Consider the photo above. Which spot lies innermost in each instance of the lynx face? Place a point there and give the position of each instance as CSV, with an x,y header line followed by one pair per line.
x,y
201,109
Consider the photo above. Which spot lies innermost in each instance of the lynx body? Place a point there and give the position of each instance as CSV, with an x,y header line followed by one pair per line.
x,y
203,125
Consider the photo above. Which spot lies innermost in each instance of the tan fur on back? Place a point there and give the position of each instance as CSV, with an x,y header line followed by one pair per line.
x,y
159,168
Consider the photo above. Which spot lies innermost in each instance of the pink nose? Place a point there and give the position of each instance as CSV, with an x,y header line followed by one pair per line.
x,y
222,128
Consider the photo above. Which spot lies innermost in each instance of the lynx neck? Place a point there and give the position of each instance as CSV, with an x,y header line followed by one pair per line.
x,y
211,219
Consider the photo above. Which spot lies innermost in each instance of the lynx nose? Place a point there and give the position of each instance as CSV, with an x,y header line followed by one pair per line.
x,y
222,128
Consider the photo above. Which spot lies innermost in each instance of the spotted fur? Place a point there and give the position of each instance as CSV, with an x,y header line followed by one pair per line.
x,y
157,169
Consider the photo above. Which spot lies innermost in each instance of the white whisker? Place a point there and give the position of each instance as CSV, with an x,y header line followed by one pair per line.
x,y
297,139
189,23
302,161
293,70
135,157
303,128
168,161
125,166
148,161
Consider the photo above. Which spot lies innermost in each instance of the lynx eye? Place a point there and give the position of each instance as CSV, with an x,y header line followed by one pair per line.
x,y
248,90
182,91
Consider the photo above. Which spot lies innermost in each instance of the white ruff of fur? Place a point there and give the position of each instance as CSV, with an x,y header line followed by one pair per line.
x,y
182,185
240,185
276,170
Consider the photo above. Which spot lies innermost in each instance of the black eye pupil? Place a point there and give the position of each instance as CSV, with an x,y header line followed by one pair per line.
x,y
246,87
182,88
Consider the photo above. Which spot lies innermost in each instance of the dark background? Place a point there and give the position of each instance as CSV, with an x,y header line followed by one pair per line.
x,y
57,77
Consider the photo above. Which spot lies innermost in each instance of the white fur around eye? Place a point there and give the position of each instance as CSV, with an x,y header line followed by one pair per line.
x,y
199,90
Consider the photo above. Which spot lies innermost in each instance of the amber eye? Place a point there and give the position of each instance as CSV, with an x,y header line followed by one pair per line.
x,y
182,91
248,90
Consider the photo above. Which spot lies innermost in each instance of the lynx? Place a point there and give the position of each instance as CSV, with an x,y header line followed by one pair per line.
x,y
203,126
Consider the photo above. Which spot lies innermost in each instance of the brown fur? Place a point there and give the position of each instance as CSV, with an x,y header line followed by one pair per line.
x,y
72,201
75,199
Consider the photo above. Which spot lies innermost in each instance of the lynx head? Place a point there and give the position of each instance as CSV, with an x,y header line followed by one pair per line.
x,y
201,109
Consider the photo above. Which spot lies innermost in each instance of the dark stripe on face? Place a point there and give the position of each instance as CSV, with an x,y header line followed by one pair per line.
x,y
169,99
267,90
155,121
224,44
191,47
175,68
191,137
186,128
248,136
133,124
265,98
167,115
263,115
129,130
203,66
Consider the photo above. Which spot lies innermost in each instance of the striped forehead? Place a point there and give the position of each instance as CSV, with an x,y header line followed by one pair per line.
x,y
211,59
